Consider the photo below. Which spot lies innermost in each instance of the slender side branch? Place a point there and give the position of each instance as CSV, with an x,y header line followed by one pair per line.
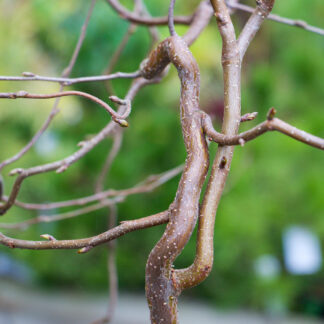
x,y
87,243
291,22
200,20
111,271
252,26
86,147
151,182
171,18
58,217
41,131
67,71
29,76
273,124
117,141
112,221
149,21
120,119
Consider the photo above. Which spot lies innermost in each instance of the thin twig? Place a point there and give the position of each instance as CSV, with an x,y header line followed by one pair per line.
x,y
67,71
122,44
171,18
112,271
87,146
147,185
117,141
120,119
254,23
201,19
149,21
271,124
88,243
54,110
291,22
28,76
58,217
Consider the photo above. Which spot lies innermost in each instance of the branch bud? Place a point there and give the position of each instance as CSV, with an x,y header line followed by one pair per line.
x,y
248,117
48,237
21,94
62,168
271,113
82,143
241,141
85,249
122,122
28,74
16,171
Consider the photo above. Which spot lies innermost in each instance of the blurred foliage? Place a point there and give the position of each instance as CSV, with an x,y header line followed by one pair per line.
x,y
274,182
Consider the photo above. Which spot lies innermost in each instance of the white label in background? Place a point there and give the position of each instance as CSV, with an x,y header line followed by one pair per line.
x,y
302,251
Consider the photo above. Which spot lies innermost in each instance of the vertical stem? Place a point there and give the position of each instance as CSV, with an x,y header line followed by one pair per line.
x,y
231,63
232,54
161,289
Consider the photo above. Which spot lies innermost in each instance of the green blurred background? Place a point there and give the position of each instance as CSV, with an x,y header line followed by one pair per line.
x,y
275,182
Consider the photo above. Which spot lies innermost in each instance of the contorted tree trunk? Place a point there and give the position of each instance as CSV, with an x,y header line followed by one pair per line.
x,y
163,283
160,288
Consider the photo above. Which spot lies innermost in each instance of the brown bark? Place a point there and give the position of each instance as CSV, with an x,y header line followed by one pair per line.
x,y
161,290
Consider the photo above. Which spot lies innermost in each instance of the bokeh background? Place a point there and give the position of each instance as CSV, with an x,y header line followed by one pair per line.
x,y
275,185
